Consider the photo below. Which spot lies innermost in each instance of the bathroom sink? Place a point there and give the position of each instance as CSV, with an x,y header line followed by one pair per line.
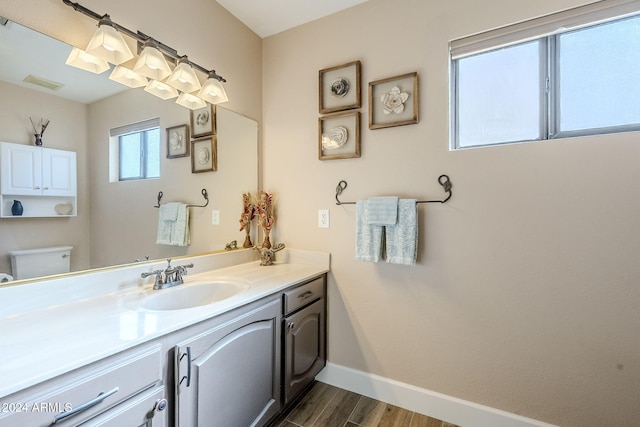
x,y
192,295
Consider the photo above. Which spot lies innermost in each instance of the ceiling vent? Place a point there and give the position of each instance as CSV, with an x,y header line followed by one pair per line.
x,y
39,81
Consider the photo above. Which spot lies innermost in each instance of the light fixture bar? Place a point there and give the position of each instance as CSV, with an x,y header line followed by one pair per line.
x,y
141,38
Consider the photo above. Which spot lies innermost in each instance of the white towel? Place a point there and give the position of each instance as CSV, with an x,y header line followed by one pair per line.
x,y
173,232
402,238
382,210
368,237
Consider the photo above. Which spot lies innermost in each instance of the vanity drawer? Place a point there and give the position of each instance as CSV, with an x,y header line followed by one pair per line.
x,y
96,387
303,295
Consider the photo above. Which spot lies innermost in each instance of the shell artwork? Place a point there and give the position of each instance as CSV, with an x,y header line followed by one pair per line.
x,y
340,87
393,102
335,138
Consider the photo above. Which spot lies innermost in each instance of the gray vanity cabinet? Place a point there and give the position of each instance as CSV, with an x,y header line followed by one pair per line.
x,y
229,376
304,353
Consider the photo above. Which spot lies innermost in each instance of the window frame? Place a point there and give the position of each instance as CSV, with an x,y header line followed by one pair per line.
x,y
143,154
547,30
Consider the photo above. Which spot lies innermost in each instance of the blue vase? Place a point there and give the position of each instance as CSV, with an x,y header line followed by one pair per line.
x,y
16,208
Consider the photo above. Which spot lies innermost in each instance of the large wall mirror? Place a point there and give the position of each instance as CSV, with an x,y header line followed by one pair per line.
x,y
116,222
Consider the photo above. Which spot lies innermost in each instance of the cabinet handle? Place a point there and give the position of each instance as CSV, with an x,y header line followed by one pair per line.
x,y
45,188
291,325
81,408
305,295
188,376
37,188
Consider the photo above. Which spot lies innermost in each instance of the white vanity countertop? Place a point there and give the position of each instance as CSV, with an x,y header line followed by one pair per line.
x,y
41,344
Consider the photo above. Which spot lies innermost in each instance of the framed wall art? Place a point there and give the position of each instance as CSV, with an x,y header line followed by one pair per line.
x,y
203,121
204,154
178,141
393,101
339,136
340,88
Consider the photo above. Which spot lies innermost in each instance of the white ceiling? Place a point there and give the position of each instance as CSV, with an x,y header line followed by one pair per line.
x,y
268,17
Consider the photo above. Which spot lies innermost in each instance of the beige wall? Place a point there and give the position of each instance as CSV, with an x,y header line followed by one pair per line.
x,y
525,297
67,131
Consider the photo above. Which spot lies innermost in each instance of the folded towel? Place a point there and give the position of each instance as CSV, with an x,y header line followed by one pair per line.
x,y
169,211
382,210
402,238
174,232
368,237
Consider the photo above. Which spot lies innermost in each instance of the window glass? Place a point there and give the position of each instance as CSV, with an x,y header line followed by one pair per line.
x,y
599,76
140,155
498,96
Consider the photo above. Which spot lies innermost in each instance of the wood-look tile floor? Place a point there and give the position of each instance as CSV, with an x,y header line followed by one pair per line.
x,y
328,406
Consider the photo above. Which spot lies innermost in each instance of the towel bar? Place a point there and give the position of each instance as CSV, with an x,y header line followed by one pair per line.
x,y
204,194
443,180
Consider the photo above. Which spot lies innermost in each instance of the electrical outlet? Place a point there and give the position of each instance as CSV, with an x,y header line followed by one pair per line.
x,y
215,217
323,218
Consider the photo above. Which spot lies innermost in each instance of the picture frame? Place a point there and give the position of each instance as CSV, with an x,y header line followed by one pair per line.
x,y
178,141
203,121
204,154
393,101
339,136
339,88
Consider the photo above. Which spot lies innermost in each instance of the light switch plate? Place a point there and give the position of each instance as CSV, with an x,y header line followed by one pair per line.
x,y
323,218
215,217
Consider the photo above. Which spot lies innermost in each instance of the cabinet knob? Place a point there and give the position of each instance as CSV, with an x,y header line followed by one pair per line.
x,y
291,325
160,405
37,187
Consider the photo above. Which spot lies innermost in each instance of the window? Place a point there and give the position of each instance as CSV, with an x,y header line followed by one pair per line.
x,y
135,151
531,81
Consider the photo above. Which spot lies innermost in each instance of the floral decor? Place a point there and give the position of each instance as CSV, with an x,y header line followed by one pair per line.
x,y
42,125
393,101
248,213
266,216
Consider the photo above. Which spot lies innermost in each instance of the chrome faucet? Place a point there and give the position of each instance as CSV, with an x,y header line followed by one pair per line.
x,y
172,275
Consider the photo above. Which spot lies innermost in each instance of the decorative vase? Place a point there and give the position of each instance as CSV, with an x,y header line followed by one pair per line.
x,y
247,240
266,243
38,138
16,208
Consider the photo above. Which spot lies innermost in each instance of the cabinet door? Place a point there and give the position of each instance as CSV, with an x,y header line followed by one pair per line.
x,y
229,376
58,172
304,353
21,169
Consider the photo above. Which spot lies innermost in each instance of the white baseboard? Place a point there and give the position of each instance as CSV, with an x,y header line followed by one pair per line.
x,y
427,402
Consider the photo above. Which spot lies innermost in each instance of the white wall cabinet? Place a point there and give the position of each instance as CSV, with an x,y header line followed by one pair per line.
x,y
43,179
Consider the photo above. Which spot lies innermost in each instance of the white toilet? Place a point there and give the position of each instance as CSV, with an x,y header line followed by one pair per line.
x,y
39,262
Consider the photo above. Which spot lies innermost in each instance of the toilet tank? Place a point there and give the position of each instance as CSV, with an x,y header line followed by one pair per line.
x,y
38,262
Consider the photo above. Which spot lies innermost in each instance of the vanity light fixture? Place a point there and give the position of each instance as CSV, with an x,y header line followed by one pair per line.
x,y
183,77
80,59
152,63
191,102
212,90
161,90
108,44
128,77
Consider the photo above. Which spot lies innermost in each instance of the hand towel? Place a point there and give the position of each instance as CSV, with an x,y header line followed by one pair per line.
x,y
173,232
169,211
368,237
402,238
382,210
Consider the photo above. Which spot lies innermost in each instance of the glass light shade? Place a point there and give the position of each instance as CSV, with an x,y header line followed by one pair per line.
x,y
161,90
192,102
184,78
80,59
107,43
212,91
152,64
128,77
